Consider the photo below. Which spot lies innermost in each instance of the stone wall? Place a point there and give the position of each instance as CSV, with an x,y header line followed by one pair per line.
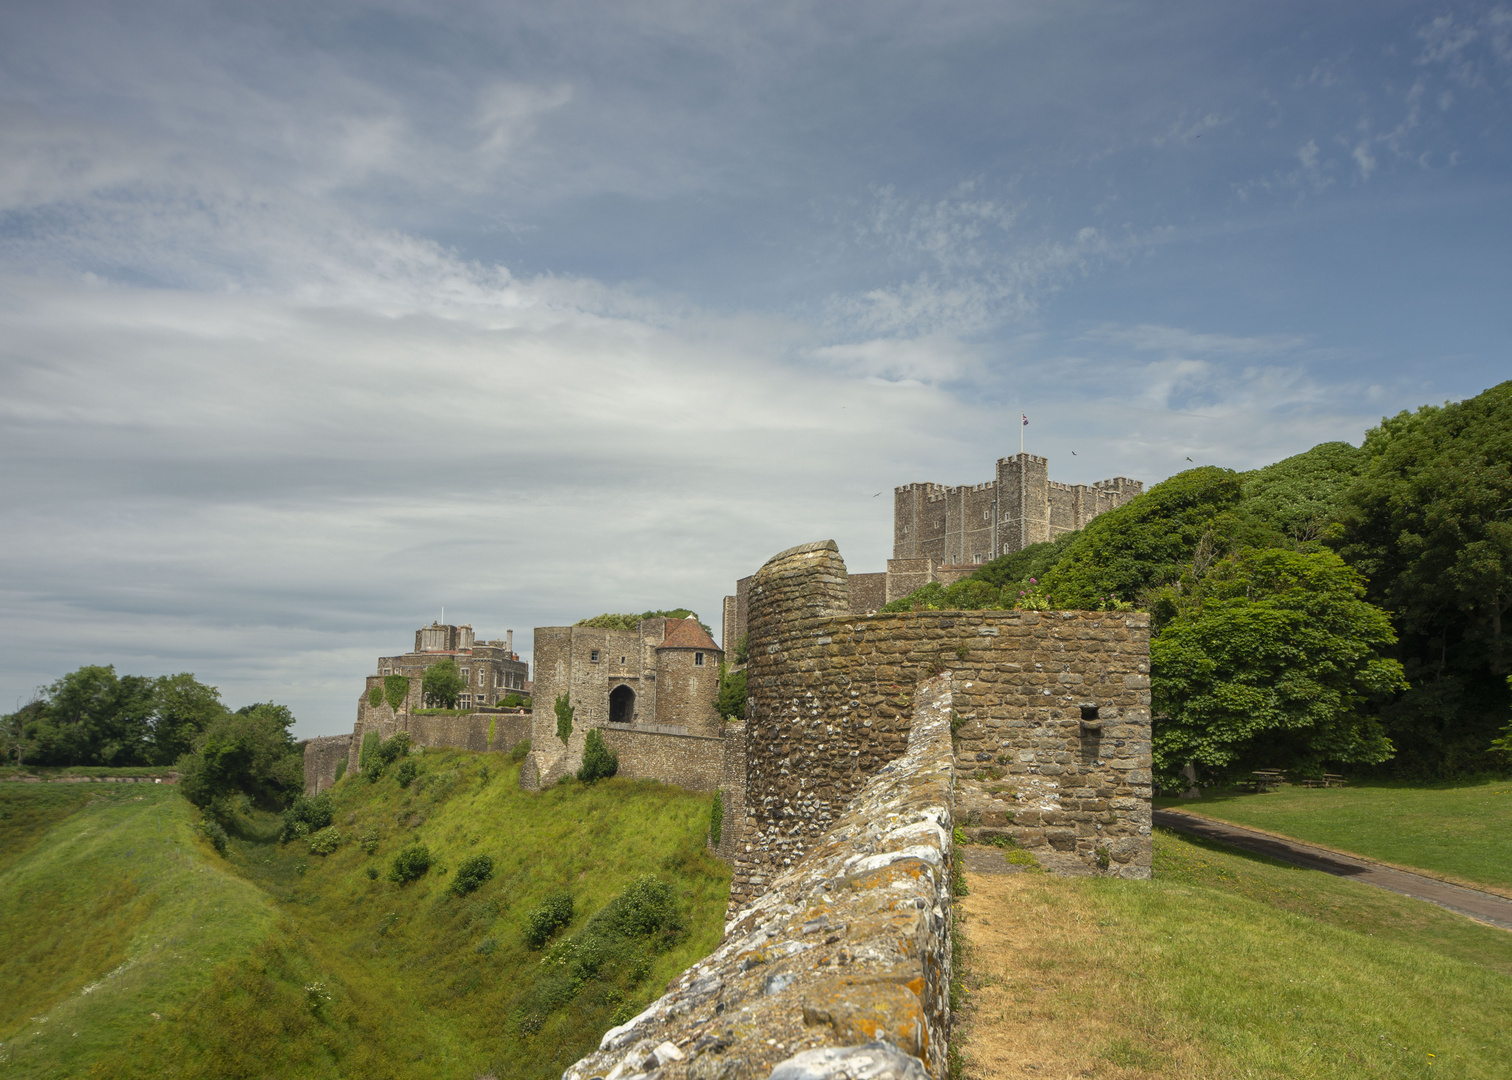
x,y
321,757
695,762
842,967
467,732
1052,709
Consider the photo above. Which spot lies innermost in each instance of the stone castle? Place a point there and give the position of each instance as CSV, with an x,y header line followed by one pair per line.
x,y
870,741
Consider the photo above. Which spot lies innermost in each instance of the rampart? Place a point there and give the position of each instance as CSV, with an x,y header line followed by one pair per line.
x,y
322,755
1052,719
466,732
842,967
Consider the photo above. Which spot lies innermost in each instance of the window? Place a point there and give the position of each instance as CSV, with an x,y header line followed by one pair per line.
x,y
698,659
467,675
593,656
1089,712
622,661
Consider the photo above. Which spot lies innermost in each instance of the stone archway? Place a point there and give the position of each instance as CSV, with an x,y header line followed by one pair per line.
x,y
621,705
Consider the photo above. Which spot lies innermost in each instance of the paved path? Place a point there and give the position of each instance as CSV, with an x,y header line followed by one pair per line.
x,y
1487,907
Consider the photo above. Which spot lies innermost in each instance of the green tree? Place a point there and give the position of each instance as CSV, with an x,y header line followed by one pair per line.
x,y
1430,524
1301,497
249,752
443,684
731,702
1152,539
182,708
92,717
598,760
1269,662
564,711
396,690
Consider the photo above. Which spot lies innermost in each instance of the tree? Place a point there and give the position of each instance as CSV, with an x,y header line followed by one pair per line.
x,y
731,703
249,752
1301,497
443,684
1430,524
182,708
1269,661
564,713
92,717
598,760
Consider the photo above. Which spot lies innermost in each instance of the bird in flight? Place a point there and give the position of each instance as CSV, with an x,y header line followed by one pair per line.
x,y
1073,453
1193,462
878,493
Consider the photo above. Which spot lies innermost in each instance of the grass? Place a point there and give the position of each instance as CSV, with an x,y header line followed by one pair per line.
x,y
1228,965
1461,831
363,977
51,771
109,913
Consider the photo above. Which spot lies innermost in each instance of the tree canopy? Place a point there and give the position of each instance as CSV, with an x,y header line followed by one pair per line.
x,y
249,752
443,684
1272,656
93,716
630,622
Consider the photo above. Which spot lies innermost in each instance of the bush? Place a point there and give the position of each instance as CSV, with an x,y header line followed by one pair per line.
x,y
555,913
598,760
392,749
647,908
367,757
410,864
395,690
564,711
212,831
408,770
340,769
307,816
474,871
512,701
368,838
325,841
731,702
716,818
372,873
518,752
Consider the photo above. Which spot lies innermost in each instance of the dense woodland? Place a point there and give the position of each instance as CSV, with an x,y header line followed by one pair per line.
x,y
1343,608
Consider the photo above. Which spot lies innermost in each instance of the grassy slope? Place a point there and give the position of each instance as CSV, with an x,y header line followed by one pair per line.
x,y
108,913
1458,830
1229,965
410,993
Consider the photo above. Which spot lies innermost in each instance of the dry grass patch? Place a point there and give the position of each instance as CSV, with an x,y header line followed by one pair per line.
x,y
1043,1002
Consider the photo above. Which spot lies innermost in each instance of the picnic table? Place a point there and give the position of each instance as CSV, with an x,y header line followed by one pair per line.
x,y
1267,779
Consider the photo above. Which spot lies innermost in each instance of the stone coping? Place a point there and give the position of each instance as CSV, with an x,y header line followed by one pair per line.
x,y
841,968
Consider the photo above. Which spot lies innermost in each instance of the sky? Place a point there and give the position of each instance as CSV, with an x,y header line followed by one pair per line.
x,y
316,319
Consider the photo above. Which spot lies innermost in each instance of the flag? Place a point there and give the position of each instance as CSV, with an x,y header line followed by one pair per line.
x,y
1025,419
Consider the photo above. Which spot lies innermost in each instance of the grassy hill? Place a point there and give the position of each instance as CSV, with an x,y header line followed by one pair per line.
x,y
1227,966
274,961
1457,830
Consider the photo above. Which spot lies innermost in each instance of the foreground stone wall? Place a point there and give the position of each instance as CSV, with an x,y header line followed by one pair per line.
x,y
696,762
842,967
1052,719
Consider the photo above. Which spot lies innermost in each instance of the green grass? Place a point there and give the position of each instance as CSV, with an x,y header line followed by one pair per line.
x,y
1460,830
109,912
50,771
406,990
1232,965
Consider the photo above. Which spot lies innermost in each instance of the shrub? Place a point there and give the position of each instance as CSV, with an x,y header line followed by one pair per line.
x,y
408,770
368,838
367,757
518,752
372,873
410,864
212,831
731,702
716,818
474,871
512,701
307,815
325,841
395,690
598,760
555,913
648,907
340,769
564,713
486,946
393,749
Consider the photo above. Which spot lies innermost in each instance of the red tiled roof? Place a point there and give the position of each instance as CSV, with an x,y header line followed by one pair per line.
x,y
687,634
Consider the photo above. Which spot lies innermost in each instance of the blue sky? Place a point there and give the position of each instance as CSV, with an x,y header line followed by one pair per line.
x,y
314,319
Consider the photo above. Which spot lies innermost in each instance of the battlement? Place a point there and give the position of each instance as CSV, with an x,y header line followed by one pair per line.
x,y
969,524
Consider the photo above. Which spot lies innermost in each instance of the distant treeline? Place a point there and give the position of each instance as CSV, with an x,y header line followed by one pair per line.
x,y
94,717
1343,607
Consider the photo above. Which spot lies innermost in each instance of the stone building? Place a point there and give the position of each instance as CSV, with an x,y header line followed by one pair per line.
x,y
943,534
1021,505
1053,719
663,676
492,670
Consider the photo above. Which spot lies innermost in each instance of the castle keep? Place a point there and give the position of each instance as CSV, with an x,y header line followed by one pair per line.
x,y
492,670
976,523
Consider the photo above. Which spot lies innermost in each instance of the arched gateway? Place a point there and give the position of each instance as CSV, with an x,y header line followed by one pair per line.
x,y
621,705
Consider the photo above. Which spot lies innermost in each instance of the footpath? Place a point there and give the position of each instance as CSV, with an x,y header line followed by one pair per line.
x,y
1484,906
